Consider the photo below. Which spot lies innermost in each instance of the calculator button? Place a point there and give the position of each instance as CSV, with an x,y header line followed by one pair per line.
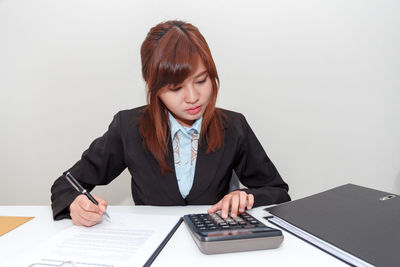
x,y
249,226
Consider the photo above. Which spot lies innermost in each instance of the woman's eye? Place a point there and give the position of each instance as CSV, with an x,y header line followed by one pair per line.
x,y
202,81
175,89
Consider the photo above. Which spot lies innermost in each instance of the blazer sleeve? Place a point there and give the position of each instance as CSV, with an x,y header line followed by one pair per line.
x,y
256,171
99,165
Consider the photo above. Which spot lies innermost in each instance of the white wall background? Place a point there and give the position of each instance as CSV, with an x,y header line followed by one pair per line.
x,y
319,82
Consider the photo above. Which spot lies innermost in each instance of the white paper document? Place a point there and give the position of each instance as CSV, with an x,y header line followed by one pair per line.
x,y
126,240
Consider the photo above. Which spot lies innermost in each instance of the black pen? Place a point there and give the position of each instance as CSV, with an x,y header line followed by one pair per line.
x,y
82,190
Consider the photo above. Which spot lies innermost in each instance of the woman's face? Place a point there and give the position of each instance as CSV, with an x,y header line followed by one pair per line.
x,y
188,100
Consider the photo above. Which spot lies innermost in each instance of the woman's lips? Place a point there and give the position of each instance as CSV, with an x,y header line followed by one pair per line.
x,y
193,110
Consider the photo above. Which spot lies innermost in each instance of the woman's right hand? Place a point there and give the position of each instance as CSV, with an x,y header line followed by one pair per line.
x,y
85,213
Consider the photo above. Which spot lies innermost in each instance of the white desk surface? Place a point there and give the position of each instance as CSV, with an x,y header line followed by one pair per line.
x,y
181,250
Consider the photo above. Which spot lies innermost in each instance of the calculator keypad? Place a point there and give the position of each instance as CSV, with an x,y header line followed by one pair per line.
x,y
207,223
213,234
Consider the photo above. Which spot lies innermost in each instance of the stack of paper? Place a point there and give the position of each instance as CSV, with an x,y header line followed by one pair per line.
x,y
126,240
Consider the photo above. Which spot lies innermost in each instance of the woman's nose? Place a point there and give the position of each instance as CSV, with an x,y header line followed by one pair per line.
x,y
191,95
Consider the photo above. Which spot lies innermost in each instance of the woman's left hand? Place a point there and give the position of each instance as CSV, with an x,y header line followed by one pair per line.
x,y
235,201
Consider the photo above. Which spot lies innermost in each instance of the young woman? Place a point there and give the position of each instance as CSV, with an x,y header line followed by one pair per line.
x,y
179,148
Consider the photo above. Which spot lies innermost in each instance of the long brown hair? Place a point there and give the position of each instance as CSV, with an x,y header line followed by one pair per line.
x,y
168,54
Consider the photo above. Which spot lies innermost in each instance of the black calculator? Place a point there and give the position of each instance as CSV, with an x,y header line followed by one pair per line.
x,y
214,235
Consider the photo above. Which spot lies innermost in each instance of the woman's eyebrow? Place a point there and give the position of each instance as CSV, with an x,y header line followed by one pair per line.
x,y
201,73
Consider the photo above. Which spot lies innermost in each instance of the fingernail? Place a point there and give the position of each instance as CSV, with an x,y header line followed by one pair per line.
x,y
224,215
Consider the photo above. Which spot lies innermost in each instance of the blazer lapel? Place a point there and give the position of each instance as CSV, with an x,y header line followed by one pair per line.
x,y
206,167
169,181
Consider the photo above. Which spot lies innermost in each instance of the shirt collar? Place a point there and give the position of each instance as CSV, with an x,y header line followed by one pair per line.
x,y
176,126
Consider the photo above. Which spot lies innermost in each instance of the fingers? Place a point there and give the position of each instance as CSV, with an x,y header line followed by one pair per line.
x,y
239,201
243,201
102,204
225,206
82,219
215,207
236,202
84,212
250,201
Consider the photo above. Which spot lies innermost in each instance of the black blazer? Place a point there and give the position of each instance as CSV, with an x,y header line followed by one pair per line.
x,y
121,146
